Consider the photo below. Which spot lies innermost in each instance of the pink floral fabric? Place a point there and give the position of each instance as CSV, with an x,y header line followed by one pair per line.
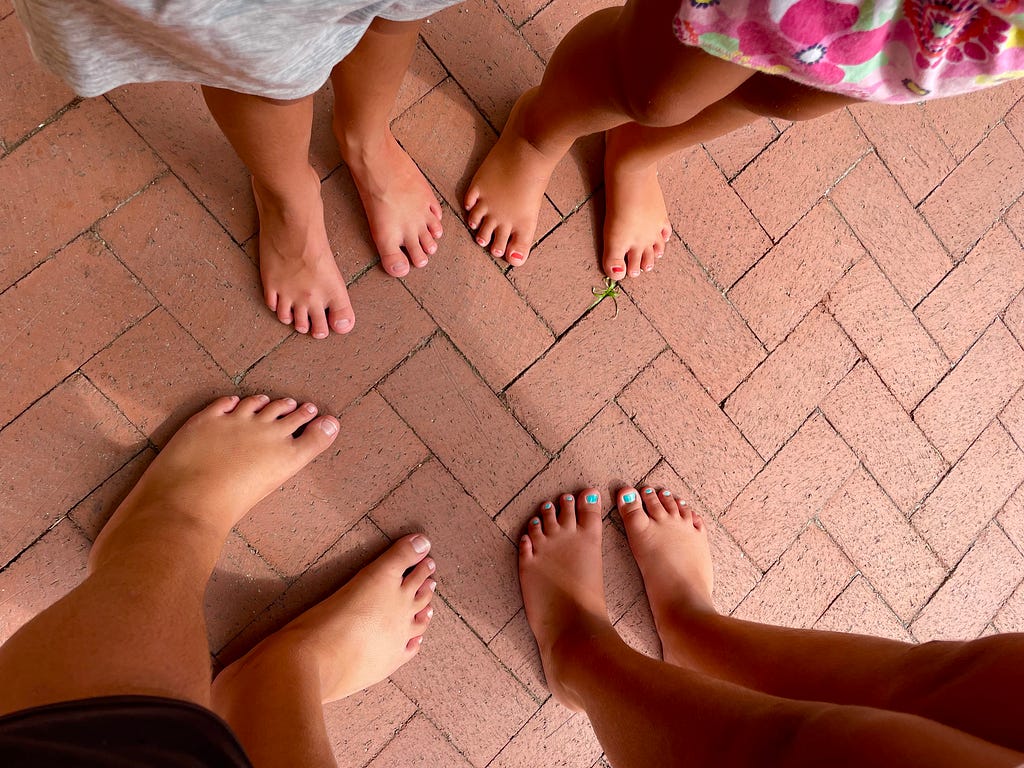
x,y
877,50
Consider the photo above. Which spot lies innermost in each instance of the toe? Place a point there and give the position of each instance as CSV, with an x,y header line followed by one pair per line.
x,y
614,264
395,263
405,553
284,311
470,201
648,259
588,510
301,319
518,250
318,324
278,408
425,593
534,532
416,255
423,617
428,245
500,241
298,417
633,259
567,511
415,580
251,405
549,517
221,405
270,297
653,503
317,435
526,545
485,232
341,317
631,510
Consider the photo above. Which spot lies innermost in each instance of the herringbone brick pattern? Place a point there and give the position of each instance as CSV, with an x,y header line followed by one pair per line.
x,y
828,362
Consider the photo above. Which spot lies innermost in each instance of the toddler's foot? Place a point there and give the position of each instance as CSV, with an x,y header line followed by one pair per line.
x,y
560,575
636,225
404,215
504,198
670,544
219,465
301,280
357,636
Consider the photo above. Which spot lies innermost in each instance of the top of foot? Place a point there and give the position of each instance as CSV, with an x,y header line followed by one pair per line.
x,y
636,225
561,577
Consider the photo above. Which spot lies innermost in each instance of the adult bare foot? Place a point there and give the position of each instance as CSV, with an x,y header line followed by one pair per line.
x,y
404,215
357,636
301,280
224,460
636,225
560,575
670,544
504,198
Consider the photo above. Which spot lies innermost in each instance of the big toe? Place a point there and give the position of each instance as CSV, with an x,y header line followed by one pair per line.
x,y
631,510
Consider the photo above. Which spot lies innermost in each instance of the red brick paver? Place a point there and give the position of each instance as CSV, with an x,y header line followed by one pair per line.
x,y
827,364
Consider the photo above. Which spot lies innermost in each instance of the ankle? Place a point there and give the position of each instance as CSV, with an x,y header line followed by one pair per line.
x,y
287,193
360,147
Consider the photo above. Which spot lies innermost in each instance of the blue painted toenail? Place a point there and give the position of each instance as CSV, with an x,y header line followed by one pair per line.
x,y
547,505
628,498
666,493
535,521
568,497
648,490
591,498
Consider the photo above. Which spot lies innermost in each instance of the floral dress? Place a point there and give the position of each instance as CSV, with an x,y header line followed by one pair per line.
x,y
877,50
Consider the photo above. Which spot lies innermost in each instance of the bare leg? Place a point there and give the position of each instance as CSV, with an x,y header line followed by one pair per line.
x,y
616,66
404,215
636,227
301,280
273,697
971,686
647,712
135,625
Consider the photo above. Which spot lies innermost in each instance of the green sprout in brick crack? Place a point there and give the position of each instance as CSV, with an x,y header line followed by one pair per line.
x,y
610,289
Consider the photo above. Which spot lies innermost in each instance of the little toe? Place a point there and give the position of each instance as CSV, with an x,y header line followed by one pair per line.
x,y
278,408
631,510
471,198
270,297
526,544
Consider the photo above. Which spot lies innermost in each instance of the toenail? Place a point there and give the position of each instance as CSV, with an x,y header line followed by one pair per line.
x,y
666,493
329,426
430,613
681,503
648,490
481,241
289,401
547,505
263,398
515,257
420,544
591,498
309,408
343,323
431,566
498,254
629,498
536,520
618,269
568,497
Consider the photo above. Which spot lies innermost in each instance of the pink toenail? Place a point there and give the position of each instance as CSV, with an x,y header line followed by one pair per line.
x,y
431,565
481,241
329,426
420,544
497,254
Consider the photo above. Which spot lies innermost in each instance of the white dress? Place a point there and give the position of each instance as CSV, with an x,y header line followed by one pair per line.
x,y
281,49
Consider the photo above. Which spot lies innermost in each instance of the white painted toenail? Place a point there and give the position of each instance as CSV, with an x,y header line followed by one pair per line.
x,y
420,544
431,565
329,426
430,613
433,586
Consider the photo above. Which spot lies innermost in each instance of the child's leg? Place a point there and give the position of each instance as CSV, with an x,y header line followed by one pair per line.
x,y
404,215
647,712
971,686
273,697
636,225
616,66
301,281
135,625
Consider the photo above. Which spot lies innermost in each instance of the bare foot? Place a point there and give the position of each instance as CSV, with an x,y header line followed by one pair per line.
x,y
301,280
670,544
507,191
560,575
404,215
360,634
636,225
222,462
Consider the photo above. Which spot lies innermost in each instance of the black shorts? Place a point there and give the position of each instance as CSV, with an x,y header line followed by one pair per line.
x,y
119,732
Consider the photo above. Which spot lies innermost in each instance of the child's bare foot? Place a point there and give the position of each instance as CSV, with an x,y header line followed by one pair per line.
x,y
505,196
636,225
301,280
404,215
357,636
560,575
222,462
670,544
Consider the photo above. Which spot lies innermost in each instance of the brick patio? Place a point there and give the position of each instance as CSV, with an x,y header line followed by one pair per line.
x,y
828,363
